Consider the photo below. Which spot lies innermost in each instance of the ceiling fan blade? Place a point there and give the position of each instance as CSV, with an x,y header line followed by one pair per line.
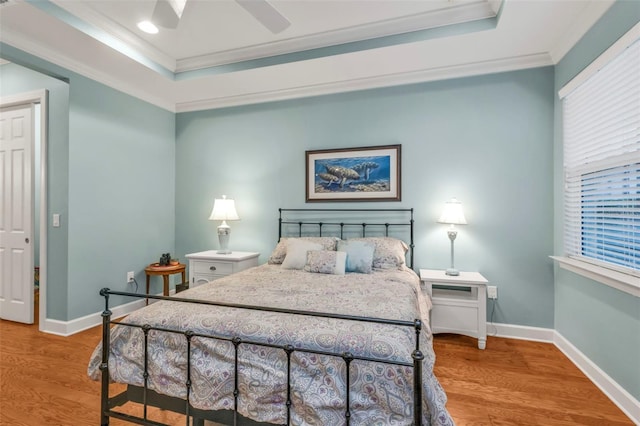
x,y
167,13
264,12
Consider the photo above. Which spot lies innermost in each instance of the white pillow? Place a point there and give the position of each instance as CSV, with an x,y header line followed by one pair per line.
x,y
297,253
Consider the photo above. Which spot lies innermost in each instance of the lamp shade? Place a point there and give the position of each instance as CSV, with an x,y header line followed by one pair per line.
x,y
452,213
224,209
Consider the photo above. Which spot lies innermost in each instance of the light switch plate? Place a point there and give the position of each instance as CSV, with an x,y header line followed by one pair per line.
x,y
56,220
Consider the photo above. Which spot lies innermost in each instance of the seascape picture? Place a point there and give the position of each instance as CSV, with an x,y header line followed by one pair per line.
x,y
358,174
364,174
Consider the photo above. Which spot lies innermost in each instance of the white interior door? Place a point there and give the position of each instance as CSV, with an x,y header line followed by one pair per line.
x,y
16,213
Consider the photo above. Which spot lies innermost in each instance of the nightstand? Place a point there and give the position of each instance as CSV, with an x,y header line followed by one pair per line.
x,y
459,303
209,265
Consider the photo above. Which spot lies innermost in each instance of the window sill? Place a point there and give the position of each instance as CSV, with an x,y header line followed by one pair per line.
x,y
618,280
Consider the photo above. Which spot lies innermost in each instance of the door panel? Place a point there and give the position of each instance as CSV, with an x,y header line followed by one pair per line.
x,y
18,262
17,202
16,216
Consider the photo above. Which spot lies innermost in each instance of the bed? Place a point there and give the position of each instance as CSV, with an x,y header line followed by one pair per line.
x,y
298,340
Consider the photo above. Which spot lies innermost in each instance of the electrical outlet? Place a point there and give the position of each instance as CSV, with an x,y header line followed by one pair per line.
x,y
130,276
492,292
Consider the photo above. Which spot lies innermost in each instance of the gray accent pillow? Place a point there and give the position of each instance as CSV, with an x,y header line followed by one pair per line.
x,y
280,251
326,262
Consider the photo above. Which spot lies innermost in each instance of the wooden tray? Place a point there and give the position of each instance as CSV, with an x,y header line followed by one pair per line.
x,y
156,267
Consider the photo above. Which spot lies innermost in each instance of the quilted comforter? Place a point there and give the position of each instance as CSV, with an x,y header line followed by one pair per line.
x,y
381,394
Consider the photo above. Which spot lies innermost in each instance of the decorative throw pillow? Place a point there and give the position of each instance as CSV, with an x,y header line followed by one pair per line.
x,y
326,262
280,251
359,255
297,253
389,252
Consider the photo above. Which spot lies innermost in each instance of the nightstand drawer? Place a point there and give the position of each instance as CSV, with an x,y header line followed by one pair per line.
x,y
212,267
209,265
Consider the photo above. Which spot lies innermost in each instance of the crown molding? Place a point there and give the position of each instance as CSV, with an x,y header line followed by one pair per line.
x,y
496,5
285,93
96,25
389,80
58,58
457,14
95,19
592,13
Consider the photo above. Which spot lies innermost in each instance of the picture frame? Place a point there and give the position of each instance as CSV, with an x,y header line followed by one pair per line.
x,y
371,173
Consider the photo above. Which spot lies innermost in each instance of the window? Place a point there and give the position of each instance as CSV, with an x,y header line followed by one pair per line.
x,y
601,119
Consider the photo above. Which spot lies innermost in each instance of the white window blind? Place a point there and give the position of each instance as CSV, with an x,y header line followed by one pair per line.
x,y
601,119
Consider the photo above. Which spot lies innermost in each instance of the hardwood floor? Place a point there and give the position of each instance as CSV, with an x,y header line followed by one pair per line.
x,y
43,381
516,382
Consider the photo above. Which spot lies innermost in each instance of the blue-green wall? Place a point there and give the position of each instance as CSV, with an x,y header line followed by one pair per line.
x,y
111,176
602,322
121,191
486,140
15,79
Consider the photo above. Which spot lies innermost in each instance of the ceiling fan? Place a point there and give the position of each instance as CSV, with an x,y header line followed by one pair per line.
x,y
167,14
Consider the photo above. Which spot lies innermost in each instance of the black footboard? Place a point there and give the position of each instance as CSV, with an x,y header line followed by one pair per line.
x,y
148,397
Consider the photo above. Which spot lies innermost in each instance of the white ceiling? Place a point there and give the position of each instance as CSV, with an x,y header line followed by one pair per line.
x,y
220,55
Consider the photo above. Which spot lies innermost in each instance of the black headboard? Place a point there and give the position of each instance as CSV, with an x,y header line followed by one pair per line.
x,y
343,223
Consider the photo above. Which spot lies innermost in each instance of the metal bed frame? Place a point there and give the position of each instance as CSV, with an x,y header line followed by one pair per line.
x,y
343,226
193,416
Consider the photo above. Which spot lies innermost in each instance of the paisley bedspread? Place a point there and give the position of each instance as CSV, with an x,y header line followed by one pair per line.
x,y
381,394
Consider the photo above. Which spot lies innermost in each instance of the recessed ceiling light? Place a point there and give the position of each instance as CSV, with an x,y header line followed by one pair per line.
x,y
148,27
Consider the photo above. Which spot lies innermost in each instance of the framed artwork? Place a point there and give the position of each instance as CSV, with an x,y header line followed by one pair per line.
x,y
353,174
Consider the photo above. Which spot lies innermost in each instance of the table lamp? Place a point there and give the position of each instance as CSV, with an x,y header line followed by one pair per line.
x,y
224,209
452,215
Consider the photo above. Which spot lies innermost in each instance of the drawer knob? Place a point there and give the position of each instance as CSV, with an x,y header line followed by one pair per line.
x,y
212,268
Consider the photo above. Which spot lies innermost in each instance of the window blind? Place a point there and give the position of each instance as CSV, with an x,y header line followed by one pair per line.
x,y
601,119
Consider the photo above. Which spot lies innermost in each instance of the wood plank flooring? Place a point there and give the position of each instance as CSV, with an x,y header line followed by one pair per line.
x,y
43,381
516,382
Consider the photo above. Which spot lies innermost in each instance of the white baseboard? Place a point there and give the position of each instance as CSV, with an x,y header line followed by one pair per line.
x,y
616,393
67,328
521,332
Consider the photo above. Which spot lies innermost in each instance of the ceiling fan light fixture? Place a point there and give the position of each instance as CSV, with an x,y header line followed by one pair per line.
x,y
148,27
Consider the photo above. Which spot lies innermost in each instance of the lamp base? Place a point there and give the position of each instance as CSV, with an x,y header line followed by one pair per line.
x,y
452,272
224,232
